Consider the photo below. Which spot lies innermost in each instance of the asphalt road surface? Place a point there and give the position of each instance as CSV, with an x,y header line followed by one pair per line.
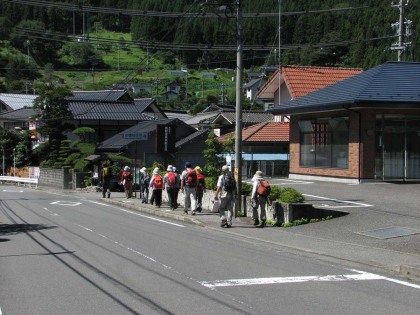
x,y
63,254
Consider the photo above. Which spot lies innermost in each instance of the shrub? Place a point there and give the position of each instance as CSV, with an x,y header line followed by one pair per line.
x,y
210,183
275,193
246,189
291,195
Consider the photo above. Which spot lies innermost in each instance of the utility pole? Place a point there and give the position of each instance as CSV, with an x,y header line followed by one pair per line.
x,y
238,127
399,28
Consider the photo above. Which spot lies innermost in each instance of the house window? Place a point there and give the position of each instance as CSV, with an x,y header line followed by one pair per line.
x,y
324,142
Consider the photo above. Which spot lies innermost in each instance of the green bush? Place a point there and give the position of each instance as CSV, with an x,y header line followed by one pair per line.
x,y
210,183
246,189
291,195
275,193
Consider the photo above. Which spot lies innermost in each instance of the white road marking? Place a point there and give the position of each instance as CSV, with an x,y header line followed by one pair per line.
x,y
51,213
1,311
355,204
13,191
360,276
136,213
66,203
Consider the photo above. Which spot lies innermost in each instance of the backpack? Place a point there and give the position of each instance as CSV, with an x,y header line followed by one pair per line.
x,y
172,179
158,184
200,180
191,178
146,180
106,172
229,183
264,188
128,176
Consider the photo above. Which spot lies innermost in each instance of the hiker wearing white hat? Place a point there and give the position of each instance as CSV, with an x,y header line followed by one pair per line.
x,y
170,183
226,187
259,198
127,182
156,183
144,185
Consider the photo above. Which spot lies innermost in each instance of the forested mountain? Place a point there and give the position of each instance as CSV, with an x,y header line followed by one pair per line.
x,y
349,33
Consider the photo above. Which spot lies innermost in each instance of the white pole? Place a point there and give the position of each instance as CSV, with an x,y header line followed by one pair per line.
x,y
14,163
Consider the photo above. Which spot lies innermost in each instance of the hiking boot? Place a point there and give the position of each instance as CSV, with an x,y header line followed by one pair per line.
x,y
262,223
223,223
186,211
109,195
193,213
256,222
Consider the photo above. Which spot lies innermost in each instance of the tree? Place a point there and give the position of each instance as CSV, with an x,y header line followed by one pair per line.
x,y
213,156
52,108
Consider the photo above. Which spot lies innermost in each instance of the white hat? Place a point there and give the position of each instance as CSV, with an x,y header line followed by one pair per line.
x,y
225,168
170,168
143,169
126,168
156,170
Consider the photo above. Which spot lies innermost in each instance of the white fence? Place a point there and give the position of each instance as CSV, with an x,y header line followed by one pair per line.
x,y
19,180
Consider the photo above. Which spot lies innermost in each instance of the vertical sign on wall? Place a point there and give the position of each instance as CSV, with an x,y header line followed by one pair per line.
x,y
165,139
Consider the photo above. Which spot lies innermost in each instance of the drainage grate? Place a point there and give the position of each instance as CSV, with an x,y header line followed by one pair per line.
x,y
390,232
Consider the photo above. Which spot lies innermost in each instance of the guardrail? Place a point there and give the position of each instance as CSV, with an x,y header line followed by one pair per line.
x,y
19,180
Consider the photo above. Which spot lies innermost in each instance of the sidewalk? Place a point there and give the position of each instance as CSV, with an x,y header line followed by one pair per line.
x,y
405,264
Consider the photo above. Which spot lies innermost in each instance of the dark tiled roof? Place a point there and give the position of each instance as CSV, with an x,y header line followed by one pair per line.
x,y
390,85
247,117
103,95
118,141
22,114
106,111
17,101
143,103
191,137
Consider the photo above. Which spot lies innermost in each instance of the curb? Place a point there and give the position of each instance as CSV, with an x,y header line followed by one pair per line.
x,y
160,213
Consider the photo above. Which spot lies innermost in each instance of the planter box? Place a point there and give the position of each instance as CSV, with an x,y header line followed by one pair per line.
x,y
289,212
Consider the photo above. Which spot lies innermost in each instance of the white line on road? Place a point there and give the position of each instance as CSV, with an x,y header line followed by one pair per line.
x,y
361,276
357,204
51,213
136,213
13,191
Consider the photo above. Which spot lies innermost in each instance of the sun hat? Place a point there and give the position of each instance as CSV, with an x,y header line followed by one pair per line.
x,y
188,164
156,170
258,174
126,168
225,168
175,169
170,168
143,169
198,169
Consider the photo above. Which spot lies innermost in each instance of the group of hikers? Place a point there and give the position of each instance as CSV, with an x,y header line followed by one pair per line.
x,y
192,184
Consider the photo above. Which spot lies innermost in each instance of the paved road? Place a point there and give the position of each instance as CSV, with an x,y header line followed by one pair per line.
x,y
67,253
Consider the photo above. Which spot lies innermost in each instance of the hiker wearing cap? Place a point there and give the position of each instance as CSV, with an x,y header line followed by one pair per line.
x,y
189,187
156,183
170,183
258,200
127,181
226,188
144,185
201,187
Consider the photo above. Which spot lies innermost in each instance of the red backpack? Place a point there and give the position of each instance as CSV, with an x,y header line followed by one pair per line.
x,y
172,179
264,188
158,184
191,178
200,180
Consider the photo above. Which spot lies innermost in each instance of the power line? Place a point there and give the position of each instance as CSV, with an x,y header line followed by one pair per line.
x,y
144,13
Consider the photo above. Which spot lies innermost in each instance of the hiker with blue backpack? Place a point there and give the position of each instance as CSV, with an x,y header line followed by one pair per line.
x,y
226,189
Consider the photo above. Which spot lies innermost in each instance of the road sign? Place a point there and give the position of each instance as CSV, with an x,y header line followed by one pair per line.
x,y
136,135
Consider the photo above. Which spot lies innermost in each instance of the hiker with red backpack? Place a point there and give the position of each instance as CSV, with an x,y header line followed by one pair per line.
x,y
189,188
259,198
201,187
170,182
156,183
127,182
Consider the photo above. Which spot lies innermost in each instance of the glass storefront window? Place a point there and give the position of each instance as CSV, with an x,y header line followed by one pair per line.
x,y
324,142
